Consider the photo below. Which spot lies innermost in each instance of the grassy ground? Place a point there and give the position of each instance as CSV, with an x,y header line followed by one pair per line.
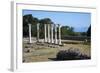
x,y
38,53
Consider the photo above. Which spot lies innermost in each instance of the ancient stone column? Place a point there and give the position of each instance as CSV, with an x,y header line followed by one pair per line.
x,y
59,36
48,33
45,33
29,33
38,32
52,41
55,34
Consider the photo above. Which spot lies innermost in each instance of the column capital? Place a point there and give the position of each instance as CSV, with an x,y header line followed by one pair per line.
x,y
59,25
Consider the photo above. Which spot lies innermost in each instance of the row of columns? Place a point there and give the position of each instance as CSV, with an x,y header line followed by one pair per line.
x,y
47,29
50,28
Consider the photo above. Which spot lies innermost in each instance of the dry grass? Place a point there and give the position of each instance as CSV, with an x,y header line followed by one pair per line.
x,y
40,53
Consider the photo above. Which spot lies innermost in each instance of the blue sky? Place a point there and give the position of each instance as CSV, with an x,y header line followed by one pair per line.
x,y
80,21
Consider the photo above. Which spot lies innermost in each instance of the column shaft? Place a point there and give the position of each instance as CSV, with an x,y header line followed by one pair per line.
x,y
55,34
48,33
38,32
30,33
52,41
45,33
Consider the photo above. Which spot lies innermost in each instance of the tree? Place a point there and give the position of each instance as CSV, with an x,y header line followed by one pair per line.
x,y
89,31
46,21
71,29
25,25
83,33
66,30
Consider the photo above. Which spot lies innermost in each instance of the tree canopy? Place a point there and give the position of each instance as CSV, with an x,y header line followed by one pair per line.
x,y
46,21
89,31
